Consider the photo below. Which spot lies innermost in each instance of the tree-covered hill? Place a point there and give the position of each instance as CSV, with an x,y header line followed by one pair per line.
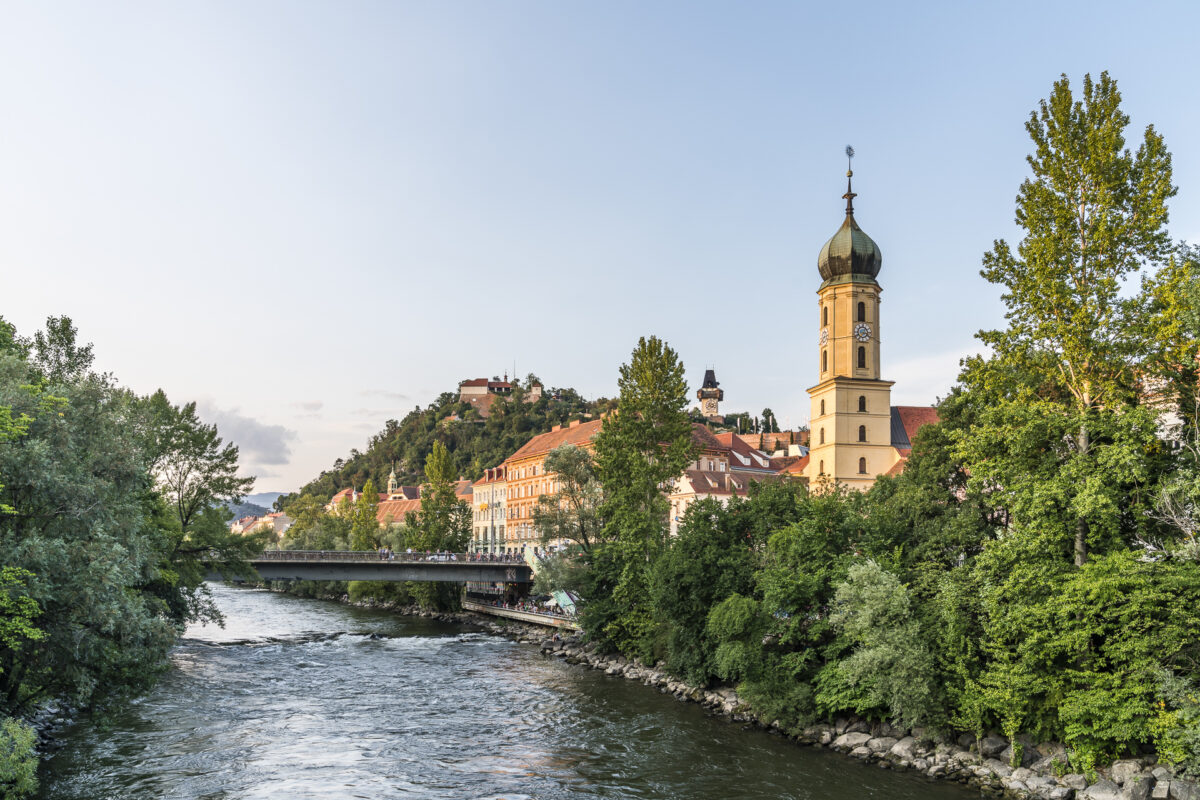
x,y
475,443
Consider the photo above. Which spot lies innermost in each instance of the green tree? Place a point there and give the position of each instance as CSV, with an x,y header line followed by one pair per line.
x,y
18,759
572,513
711,559
891,659
1093,213
642,448
194,468
364,526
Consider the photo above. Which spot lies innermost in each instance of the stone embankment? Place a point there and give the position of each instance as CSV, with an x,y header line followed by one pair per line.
x,y
984,764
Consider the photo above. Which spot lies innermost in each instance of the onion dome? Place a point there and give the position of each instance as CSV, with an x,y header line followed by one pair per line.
x,y
850,252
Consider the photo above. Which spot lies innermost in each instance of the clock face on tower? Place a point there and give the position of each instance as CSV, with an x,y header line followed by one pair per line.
x,y
862,332
824,335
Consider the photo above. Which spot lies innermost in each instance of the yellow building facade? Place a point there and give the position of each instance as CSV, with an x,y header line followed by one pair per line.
x,y
851,421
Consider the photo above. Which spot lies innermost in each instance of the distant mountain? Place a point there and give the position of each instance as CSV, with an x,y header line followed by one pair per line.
x,y
265,499
246,510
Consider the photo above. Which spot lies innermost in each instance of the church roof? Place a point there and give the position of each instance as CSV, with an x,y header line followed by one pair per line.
x,y
907,420
850,252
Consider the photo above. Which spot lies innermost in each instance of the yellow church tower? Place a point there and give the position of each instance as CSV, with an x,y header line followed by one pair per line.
x,y
850,441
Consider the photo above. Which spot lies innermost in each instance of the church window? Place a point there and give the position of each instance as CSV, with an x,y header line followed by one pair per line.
x,y
822,408
824,361
862,312
862,466
822,436
862,433
862,358
825,315
862,404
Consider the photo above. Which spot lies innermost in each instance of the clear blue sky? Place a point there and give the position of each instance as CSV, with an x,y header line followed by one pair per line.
x,y
311,217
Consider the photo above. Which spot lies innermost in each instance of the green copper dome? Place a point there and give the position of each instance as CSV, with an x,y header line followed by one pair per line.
x,y
850,251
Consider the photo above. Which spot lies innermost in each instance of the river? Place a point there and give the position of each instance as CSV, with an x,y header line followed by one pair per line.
x,y
311,699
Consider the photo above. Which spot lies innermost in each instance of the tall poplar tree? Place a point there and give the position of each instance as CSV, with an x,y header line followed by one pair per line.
x,y
643,447
1093,213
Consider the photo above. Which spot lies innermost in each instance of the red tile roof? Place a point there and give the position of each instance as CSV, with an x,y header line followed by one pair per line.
x,y
796,467
395,511
916,417
580,435
751,457
705,439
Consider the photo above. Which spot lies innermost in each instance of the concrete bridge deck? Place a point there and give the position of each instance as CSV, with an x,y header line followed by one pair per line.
x,y
343,565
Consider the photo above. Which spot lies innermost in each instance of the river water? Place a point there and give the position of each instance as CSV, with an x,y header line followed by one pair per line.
x,y
310,699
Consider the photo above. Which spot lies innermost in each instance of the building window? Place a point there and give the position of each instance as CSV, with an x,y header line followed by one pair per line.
x,y
824,361
862,404
862,312
825,315
862,433
822,436
822,408
862,466
821,469
862,358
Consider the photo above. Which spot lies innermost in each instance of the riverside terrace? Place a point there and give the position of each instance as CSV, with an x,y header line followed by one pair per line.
x,y
350,565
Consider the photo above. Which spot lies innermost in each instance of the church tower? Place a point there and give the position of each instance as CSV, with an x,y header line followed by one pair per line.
x,y
850,439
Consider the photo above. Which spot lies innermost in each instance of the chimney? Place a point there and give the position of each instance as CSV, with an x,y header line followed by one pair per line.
x,y
556,428
575,422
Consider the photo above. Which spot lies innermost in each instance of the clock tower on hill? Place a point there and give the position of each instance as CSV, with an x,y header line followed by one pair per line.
x,y
850,441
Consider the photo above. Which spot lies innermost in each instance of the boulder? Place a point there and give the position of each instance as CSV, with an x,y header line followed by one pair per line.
x,y
1162,774
849,741
1181,790
1014,785
992,746
1074,780
904,748
881,745
862,751
1122,771
1061,793
1161,790
1137,789
997,768
1103,789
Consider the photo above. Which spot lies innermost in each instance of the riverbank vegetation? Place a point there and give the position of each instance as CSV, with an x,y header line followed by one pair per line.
x,y
110,513
1034,570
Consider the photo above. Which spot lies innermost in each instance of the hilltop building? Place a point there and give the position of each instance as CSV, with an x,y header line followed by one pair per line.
x,y
481,393
856,433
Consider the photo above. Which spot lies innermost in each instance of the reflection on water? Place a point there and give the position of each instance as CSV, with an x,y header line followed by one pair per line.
x,y
308,699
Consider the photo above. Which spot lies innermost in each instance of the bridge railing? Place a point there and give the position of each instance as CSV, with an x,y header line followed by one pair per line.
x,y
363,556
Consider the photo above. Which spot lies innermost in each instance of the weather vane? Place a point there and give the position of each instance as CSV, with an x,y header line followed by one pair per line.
x,y
849,195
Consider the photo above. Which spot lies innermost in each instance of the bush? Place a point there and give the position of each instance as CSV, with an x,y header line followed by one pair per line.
x,y
18,759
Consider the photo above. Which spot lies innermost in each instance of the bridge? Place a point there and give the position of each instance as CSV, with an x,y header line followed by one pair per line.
x,y
360,565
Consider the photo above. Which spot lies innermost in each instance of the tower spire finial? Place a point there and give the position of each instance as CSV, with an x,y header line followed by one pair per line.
x,y
849,195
